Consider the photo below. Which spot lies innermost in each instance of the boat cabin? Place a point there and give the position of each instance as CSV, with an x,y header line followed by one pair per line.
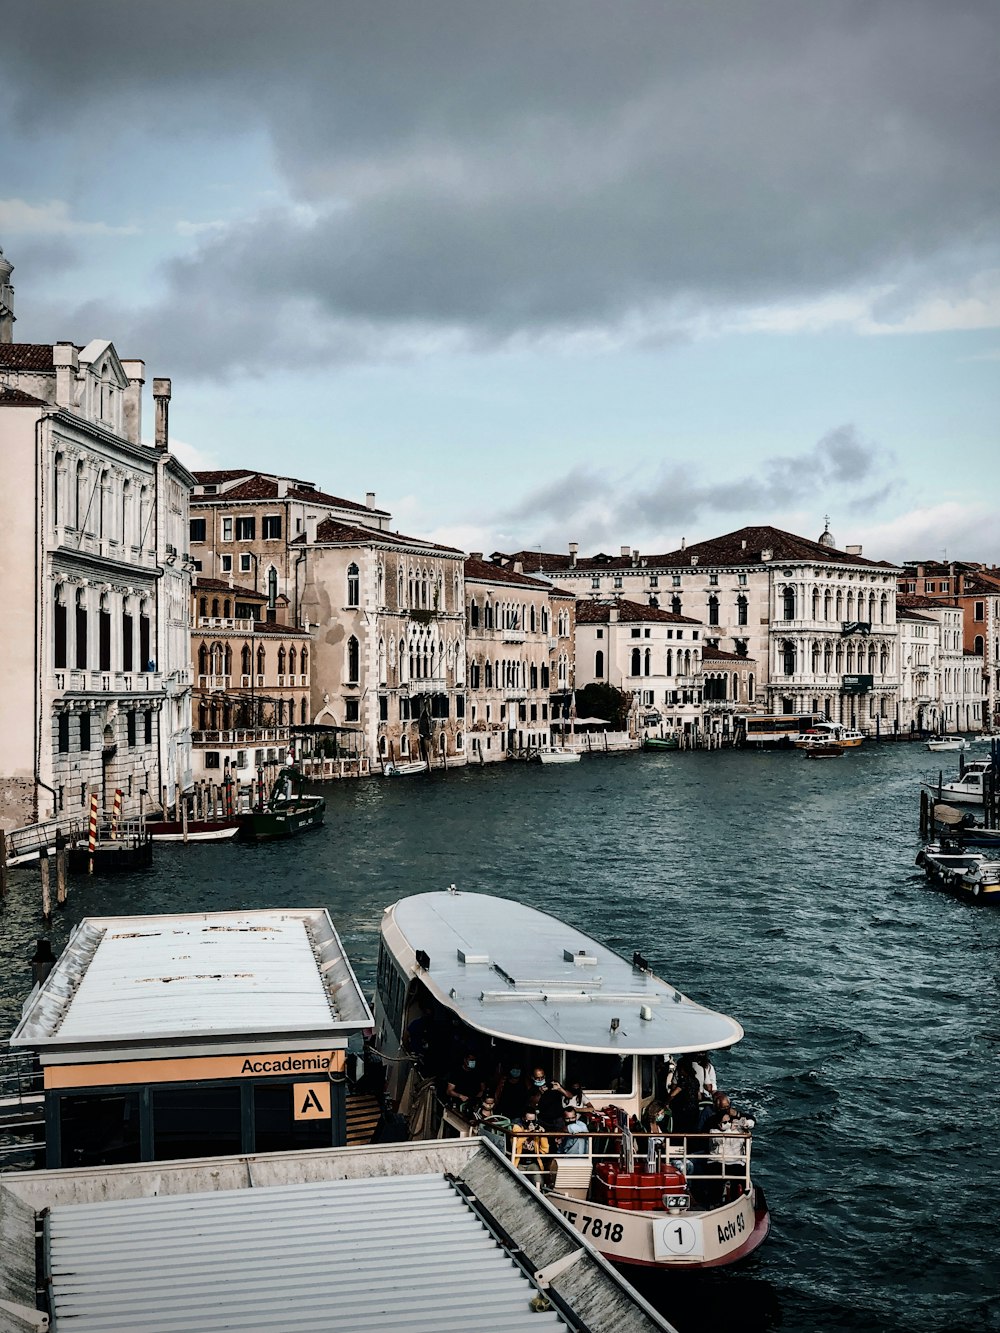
x,y
194,1035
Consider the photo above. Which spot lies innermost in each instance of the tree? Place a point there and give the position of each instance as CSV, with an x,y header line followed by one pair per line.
x,y
600,700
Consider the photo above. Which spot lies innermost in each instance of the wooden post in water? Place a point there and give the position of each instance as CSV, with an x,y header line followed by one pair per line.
x,y
92,832
3,865
43,869
60,869
163,803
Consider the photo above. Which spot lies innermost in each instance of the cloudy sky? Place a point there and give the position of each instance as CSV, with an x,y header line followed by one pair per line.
x,y
541,271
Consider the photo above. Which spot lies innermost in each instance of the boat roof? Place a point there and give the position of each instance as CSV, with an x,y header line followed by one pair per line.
x,y
521,975
129,981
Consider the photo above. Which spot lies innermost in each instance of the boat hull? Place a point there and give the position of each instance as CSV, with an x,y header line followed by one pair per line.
x,y
660,743
273,825
558,757
198,830
710,1239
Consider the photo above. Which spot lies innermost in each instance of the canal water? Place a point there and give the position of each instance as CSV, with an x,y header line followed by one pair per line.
x,y
779,891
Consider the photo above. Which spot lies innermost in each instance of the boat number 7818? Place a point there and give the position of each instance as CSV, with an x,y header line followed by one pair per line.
x,y
597,1228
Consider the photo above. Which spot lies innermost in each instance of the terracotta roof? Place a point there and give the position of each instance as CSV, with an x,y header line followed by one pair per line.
x,y
484,571
629,613
915,601
220,585
261,629
26,356
981,582
264,486
742,547
712,654
18,398
350,534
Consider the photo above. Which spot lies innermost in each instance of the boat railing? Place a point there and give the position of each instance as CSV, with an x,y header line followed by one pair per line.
x,y
538,1152
22,1115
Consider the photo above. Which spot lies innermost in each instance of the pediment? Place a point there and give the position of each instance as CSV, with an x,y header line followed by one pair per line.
x,y
101,359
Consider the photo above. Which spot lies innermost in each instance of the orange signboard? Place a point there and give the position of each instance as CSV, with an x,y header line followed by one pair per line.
x,y
311,1101
192,1069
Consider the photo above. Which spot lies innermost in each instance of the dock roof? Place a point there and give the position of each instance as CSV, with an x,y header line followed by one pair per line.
x,y
521,975
212,978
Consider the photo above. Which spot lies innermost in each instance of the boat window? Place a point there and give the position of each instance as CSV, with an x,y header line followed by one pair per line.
x,y
98,1129
598,1072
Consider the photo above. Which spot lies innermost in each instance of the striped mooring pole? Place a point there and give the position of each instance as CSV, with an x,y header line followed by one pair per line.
x,y
92,836
116,812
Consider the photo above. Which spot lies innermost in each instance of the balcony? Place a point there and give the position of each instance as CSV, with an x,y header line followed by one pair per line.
x,y
215,682
513,635
77,681
227,624
424,685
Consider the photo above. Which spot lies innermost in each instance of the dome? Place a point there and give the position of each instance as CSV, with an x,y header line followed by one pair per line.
x,y
826,537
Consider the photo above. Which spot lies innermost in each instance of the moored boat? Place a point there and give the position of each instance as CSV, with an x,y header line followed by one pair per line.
x,y
474,973
287,812
824,733
196,830
661,743
558,754
967,874
824,750
969,788
405,768
949,743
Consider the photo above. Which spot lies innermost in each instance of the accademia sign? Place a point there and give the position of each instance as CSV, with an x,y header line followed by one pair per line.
x,y
191,1069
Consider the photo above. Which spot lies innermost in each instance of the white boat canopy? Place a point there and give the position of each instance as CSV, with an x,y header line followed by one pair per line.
x,y
523,976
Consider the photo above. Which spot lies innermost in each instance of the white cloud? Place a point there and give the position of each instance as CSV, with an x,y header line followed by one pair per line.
x,y
53,218
952,530
193,458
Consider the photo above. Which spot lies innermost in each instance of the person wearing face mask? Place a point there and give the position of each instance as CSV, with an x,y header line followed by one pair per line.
x,y
511,1093
467,1085
552,1101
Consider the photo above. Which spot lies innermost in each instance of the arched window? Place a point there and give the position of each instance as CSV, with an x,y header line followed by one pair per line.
x,y
979,645
788,603
488,615
353,660
871,608
741,610
272,586
850,604
126,503
872,659
815,604
675,604
534,624
636,667
750,688
884,609
281,660
226,608
827,657
840,604
827,604
303,711
788,656
291,660
203,660
488,674
473,614
215,606
304,661
203,606
245,660
79,500
599,664
713,610
670,661
81,629
227,661
815,657
353,585
647,662
261,660
59,628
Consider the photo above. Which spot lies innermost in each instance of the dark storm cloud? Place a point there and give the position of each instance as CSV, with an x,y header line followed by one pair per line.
x,y
842,465
500,172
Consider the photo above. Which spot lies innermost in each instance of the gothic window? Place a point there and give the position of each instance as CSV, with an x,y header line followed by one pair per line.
x,y
473,614
788,657
815,604
488,616
636,668
647,662
353,660
599,665
245,660
291,661
788,601
79,501
304,661
713,610
741,610
840,604
281,660
750,688
827,604
261,660
272,586
670,661
353,585
203,660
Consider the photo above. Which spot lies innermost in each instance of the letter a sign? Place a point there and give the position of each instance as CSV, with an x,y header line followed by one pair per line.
x,y
312,1101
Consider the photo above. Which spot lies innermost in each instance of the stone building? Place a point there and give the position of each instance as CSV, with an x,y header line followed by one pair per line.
x,y
94,524
653,655
252,672
388,655
729,688
244,525
508,628
819,622
941,683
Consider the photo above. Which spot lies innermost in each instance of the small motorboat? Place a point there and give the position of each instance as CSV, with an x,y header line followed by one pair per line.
x,y
287,812
196,830
849,738
559,754
824,750
661,743
967,789
403,769
949,743
968,874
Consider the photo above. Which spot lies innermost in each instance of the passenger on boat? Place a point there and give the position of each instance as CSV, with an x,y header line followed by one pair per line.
x,y
729,1146
705,1072
574,1127
528,1145
467,1085
683,1097
576,1097
552,1100
656,1117
511,1092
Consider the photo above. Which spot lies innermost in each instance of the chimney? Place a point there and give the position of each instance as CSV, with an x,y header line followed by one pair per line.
x,y
136,372
853,550
66,360
476,555
626,552
635,557
282,487
612,615
370,499
684,543
743,544
161,404
310,529
573,548
7,316
518,567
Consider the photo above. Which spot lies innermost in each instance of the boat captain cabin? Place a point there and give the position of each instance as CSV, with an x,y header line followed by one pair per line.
x,y
192,1036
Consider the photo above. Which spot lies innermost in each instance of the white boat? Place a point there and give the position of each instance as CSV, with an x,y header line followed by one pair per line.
x,y
967,873
404,768
967,789
825,733
559,755
527,990
949,743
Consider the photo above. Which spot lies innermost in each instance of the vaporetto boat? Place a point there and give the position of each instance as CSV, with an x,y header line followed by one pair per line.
x,y
528,991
